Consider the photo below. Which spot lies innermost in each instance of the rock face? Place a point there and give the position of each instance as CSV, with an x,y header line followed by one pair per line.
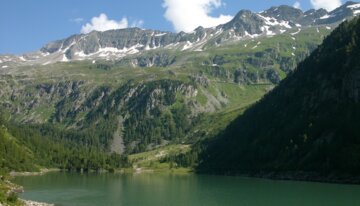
x,y
306,125
117,44
130,118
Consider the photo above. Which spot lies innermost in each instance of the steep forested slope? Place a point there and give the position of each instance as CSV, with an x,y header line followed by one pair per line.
x,y
28,148
309,123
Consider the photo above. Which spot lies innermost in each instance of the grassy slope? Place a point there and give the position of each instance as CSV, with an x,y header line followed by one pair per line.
x,y
153,160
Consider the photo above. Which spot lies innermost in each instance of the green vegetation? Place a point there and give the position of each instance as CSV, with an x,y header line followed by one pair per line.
x,y
67,115
8,190
27,148
309,123
13,155
7,196
172,102
161,160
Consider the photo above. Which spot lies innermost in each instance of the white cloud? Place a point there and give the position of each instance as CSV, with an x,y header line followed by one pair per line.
x,y
297,5
102,23
326,4
186,15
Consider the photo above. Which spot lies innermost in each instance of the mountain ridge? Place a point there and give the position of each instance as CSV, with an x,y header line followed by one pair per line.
x,y
117,44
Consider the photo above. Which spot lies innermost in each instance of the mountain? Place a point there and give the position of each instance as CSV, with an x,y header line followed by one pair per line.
x,y
132,109
305,128
117,44
174,89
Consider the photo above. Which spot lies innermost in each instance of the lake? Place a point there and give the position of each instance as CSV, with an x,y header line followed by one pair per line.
x,y
167,190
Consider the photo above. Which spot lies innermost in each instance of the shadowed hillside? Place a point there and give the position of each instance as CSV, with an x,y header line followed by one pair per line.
x,y
307,127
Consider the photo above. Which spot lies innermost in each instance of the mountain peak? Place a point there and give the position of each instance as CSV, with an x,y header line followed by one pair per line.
x,y
245,21
242,13
284,12
116,44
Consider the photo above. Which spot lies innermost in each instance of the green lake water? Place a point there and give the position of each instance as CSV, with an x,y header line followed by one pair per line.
x,y
182,190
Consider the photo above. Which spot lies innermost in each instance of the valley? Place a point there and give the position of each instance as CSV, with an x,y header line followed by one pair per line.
x,y
261,95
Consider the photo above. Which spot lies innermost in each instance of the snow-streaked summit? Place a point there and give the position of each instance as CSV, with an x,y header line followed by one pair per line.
x,y
117,44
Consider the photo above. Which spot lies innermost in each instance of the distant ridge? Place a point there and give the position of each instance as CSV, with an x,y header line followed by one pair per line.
x,y
117,44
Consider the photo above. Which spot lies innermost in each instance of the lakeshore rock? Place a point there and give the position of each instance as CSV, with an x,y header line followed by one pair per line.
x,y
33,203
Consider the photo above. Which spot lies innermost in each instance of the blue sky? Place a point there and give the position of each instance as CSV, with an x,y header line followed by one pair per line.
x,y
27,25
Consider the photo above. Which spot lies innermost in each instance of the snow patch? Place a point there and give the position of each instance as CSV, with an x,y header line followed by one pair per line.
x,y
113,50
64,59
292,54
267,31
5,66
354,6
328,28
274,22
172,45
188,45
67,48
251,35
106,51
326,16
205,35
299,30
81,54
256,45
219,32
285,24
45,54
160,34
147,47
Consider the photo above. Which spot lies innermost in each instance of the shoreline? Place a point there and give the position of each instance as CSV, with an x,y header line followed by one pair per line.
x,y
20,189
35,203
331,178
42,172
301,176
315,177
